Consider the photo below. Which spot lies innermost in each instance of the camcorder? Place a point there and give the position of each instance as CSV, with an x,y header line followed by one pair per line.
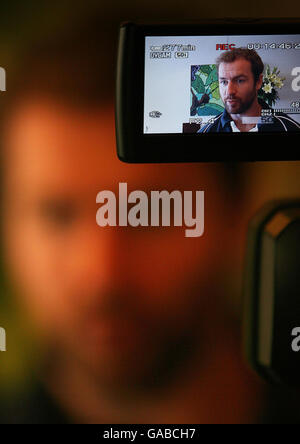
x,y
226,90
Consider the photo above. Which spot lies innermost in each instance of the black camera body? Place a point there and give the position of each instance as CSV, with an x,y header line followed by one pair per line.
x,y
171,105
271,293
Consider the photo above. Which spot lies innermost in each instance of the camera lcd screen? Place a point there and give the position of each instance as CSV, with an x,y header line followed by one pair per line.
x,y
194,84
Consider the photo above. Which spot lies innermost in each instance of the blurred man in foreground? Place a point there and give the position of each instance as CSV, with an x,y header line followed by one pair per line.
x,y
132,323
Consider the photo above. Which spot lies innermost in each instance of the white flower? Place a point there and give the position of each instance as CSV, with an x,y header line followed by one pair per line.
x,y
267,88
270,77
278,83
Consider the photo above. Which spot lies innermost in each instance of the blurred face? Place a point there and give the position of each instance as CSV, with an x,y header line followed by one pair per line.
x,y
237,87
116,299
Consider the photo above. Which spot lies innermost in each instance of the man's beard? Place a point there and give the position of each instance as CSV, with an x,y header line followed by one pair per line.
x,y
243,106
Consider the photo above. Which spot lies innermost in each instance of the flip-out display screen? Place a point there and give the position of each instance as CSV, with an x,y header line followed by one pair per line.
x,y
230,83
220,90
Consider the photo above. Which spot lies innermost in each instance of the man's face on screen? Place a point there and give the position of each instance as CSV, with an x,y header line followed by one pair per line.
x,y
117,299
238,89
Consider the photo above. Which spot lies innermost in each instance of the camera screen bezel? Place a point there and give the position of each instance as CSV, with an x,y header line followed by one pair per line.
x,y
136,147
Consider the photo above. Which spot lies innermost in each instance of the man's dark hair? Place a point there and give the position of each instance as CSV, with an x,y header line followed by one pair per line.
x,y
257,65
